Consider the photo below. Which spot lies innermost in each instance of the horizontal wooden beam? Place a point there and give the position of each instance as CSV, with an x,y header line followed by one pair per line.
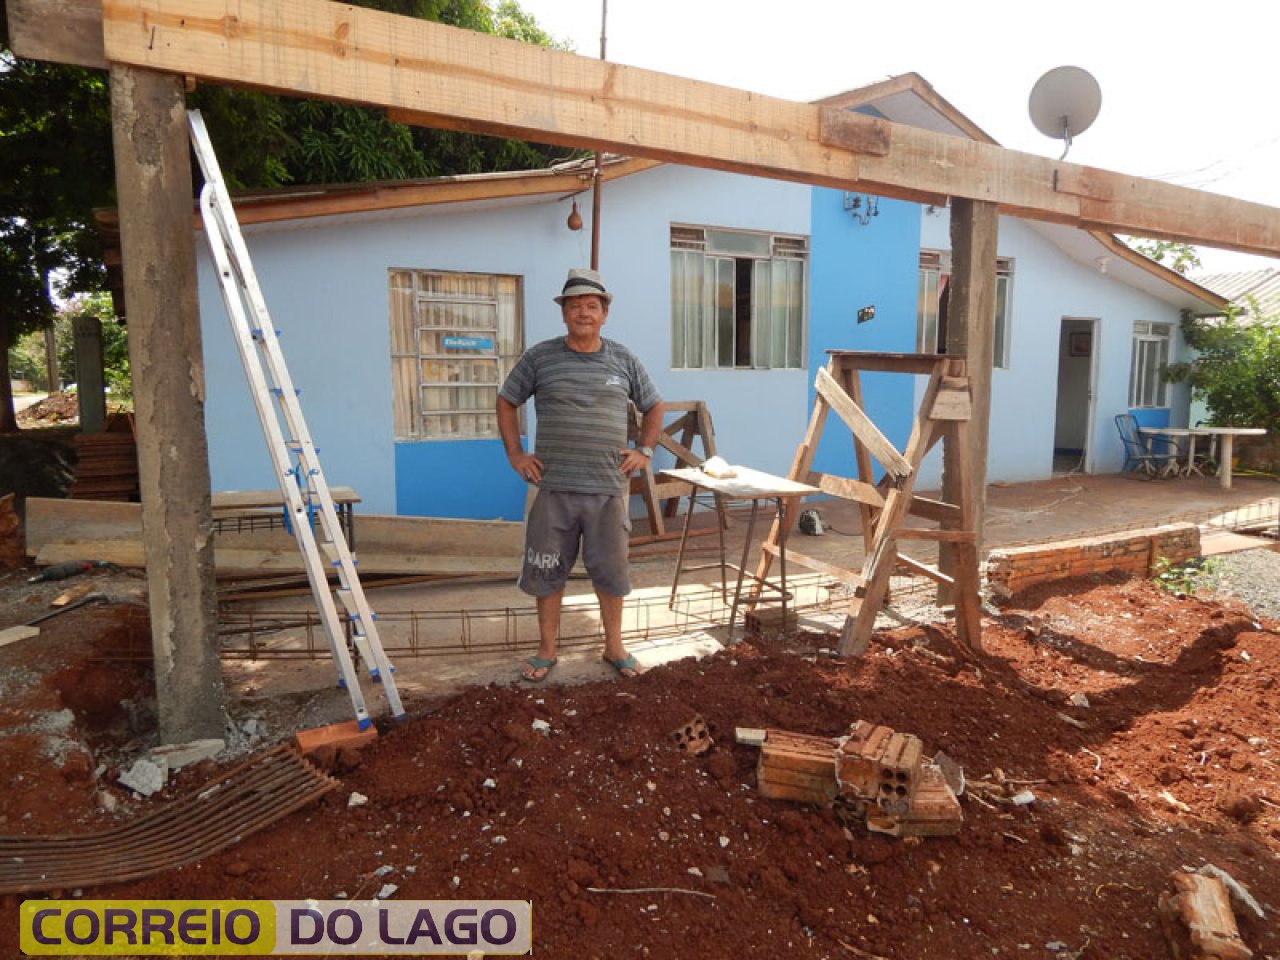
x,y
846,489
63,31
447,77
853,578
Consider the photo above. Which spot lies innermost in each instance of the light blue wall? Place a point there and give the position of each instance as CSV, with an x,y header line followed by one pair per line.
x,y
1047,286
854,266
325,283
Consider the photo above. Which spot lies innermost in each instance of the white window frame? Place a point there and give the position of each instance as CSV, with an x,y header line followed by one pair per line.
x,y
454,339
1152,343
935,278
709,329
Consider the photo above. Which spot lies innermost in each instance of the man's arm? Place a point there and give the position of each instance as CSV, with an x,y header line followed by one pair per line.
x,y
526,464
633,461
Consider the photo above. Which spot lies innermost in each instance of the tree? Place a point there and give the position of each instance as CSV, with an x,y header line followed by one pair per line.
x,y
1236,370
57,165
1182,257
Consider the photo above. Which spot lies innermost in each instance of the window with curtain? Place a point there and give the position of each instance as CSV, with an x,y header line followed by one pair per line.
x,y
1147,387
737,299
931,305
454,337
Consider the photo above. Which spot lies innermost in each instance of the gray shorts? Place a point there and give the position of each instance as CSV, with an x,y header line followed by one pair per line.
x,y
558,523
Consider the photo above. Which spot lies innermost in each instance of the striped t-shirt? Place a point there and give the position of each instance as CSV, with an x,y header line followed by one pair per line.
x,y
581,403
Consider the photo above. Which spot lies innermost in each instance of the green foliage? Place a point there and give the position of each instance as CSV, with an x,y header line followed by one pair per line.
x,y
1182,258
27,357
1184,578
57,162
1236,370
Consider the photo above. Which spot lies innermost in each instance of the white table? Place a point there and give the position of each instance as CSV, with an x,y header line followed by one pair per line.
x,y
749,485
1227,437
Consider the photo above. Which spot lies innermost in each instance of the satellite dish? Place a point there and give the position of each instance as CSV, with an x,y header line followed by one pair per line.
x,y
1064,103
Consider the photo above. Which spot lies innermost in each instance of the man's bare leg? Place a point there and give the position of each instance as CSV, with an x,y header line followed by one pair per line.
x,y
548,634
611,620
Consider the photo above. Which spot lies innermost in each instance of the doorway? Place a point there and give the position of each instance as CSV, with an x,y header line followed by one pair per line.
x,y
1077,375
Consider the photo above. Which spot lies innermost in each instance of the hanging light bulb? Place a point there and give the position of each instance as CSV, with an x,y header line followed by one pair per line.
x,y
574,221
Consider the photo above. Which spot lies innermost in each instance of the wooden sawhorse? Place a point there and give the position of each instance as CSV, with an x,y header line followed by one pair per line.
x,y
944,412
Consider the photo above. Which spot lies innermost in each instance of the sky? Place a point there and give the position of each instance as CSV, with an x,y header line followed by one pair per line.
x,y
1189,89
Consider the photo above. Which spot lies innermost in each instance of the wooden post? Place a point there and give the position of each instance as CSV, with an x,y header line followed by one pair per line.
x,y
970,334
89,373
52,372
153,179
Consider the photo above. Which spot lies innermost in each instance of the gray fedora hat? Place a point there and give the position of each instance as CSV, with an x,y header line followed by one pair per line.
x,y
582,282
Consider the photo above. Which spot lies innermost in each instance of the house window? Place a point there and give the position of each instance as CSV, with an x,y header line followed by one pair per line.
x,y
1147,387
454,336
932,298
737,299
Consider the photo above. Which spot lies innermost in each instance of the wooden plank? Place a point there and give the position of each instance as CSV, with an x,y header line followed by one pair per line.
x,y
847,489
861,426
445,77
801,464
851,380
851,577
952,404
878,362
939,536
924,570
935,510
230,560
14,634
64,31
843,128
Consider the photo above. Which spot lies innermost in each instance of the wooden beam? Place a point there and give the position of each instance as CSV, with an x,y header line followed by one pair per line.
x,y
851,577
447,77
861,425
64,31
847,489
936,510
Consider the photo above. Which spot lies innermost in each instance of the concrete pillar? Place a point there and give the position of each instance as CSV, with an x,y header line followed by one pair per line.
x,y
89,375
153,181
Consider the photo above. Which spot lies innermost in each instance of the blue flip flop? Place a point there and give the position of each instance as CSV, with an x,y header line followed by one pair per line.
x,y
539,663
621,664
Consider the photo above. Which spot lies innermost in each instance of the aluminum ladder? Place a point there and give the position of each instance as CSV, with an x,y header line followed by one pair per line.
x,y
293,455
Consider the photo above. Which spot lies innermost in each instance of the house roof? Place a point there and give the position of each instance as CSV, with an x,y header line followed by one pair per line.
x,y
1256,292
907,99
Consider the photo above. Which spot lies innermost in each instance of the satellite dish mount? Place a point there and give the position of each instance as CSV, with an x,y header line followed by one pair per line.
x,y
1064,103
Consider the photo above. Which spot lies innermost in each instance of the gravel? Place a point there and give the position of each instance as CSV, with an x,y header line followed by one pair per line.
x,y
1254,577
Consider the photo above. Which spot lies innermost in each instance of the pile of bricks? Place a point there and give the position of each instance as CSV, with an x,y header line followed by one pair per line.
x,y
874,772
1135,552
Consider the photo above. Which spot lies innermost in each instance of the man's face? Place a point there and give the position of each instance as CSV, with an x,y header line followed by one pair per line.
x,y
585,315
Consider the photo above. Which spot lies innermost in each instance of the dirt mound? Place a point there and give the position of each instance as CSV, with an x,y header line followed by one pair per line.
x,y
1140,729
56,408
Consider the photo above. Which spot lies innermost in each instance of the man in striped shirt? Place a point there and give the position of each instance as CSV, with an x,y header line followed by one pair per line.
x,y
581,384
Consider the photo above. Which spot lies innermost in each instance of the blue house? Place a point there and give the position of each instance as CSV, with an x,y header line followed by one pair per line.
x,y
403,305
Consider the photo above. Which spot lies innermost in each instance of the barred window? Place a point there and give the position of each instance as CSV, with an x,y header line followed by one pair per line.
x,y
737,299
1147,387
454,337
931,305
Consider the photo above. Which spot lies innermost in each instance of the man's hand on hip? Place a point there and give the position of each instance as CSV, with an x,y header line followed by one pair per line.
x,y
527,465
633,461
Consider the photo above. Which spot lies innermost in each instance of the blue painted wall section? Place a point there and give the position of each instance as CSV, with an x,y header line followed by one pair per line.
x,y
468,479
853,266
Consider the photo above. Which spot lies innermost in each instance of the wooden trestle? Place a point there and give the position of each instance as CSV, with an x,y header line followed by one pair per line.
x,y
944,414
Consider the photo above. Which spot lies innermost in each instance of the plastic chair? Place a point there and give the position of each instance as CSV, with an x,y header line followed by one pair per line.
x,y
1153,460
